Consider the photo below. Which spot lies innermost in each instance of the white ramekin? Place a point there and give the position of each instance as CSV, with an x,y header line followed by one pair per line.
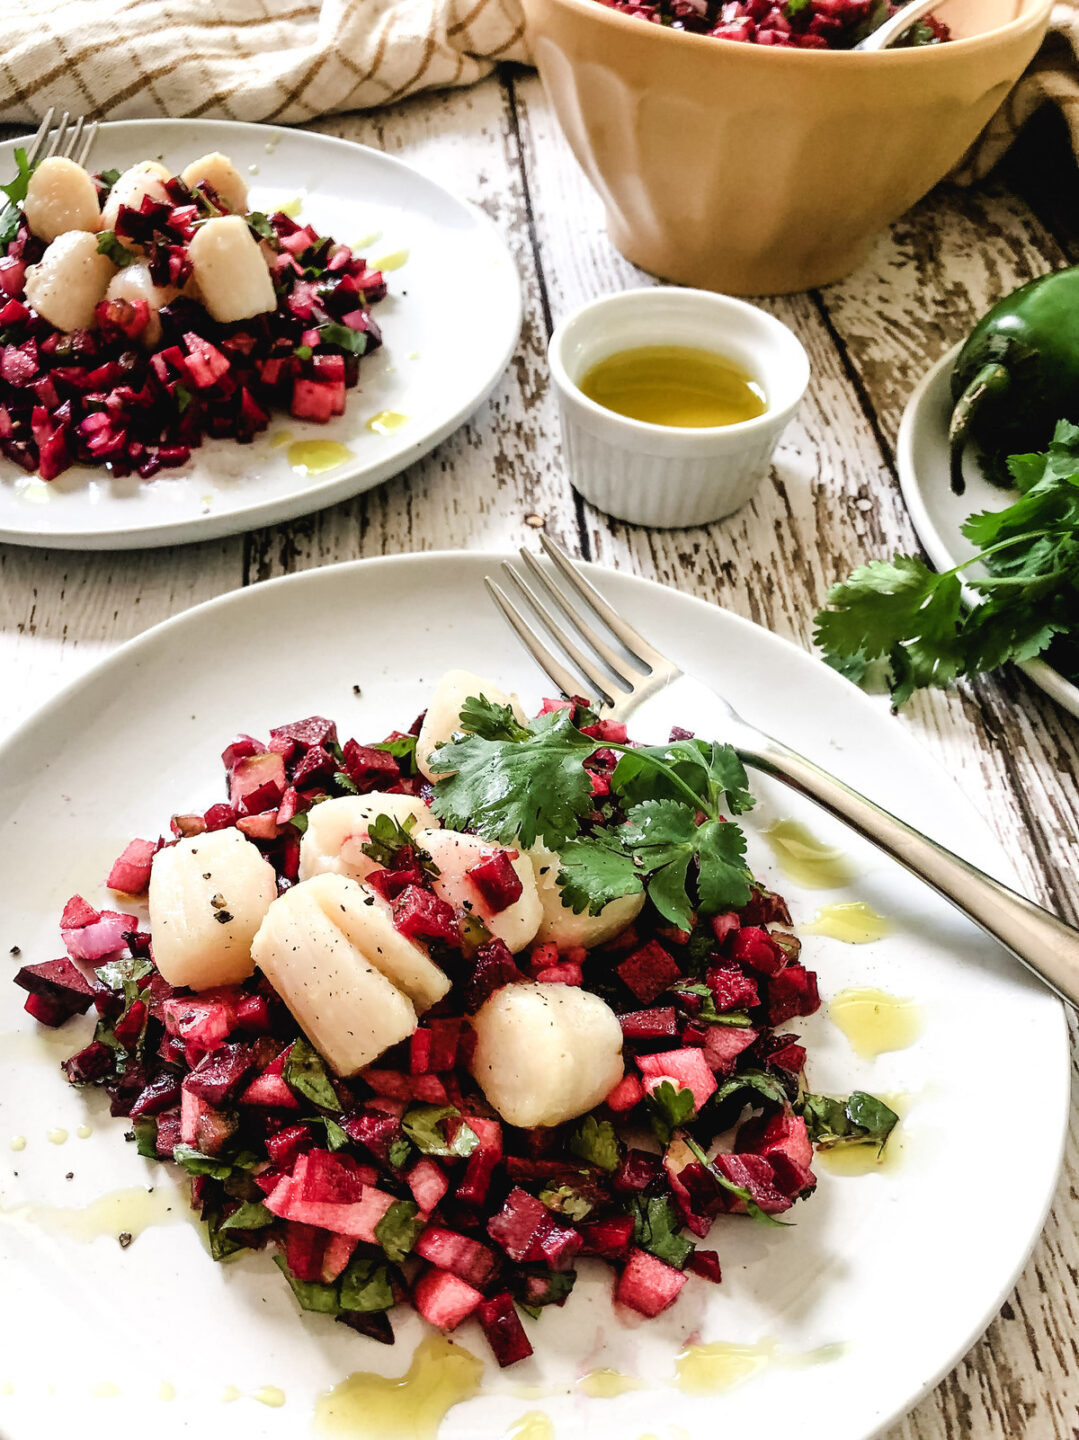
x,y
659,474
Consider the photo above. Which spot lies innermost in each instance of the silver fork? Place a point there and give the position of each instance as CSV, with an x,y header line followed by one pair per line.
x,y
659,689
65,140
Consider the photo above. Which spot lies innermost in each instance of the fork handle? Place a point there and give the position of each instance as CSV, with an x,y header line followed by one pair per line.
x,y
1042,941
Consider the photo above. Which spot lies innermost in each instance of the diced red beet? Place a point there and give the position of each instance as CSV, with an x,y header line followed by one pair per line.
x,y
60,987
288,1144
494,967
314,731
628,1092
443,1299
369,768
724,1043
611,732
305,1248
357,1218
466,1258
428,1184
660,1023
649,971
218,1076
131,872
168,1133
90,1064
421,915
608,1238
101,938
433,1046
566,973
732,988
428,1088
784,1132
259,827
204,362
503,1329
323,1176
313,765
253,1015
479,1173
724,925
527,1232
375,1132
240,749
705,1263
220,817
782,1052
754,947
687,1069
162,1093
638,1170
269,1091
791,992
496,881
78,913
647,1284
197,1022
129,1026
257,782
755,1174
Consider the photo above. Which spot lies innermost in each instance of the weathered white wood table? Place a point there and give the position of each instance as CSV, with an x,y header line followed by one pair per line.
x,y
831,502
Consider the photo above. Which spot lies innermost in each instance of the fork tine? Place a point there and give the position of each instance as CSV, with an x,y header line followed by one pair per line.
x,y
602,686
624,671
635,643
58,137
34,148
566,683
69,148
88,140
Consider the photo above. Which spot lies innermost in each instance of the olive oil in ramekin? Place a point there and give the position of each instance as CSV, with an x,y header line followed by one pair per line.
x,y
675,385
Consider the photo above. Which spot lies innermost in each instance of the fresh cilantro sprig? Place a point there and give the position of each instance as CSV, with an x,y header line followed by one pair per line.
x,y
388,837
523,783
15,190
904,613
861,1119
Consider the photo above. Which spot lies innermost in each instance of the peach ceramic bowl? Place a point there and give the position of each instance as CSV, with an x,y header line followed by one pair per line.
x,y
758,169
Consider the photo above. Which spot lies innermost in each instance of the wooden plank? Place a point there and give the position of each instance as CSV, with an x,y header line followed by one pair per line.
x,y
479,489
61,610
831,501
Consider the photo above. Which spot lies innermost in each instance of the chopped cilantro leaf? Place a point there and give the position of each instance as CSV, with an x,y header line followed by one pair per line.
x,y
669,1108
596,1143
306,1074
399,1229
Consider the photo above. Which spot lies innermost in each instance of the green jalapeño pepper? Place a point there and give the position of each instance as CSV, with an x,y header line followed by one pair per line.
x,y
1017,374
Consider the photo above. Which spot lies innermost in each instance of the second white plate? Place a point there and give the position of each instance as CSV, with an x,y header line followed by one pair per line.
x,y
938,513
450,324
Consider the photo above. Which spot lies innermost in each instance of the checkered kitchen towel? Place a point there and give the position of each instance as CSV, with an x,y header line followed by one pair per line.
x,y
276,60
290,60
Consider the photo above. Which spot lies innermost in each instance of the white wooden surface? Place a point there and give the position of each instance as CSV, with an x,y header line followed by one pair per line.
x,y
831,502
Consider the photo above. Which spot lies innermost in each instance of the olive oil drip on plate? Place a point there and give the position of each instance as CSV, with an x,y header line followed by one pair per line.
x,y
852,921
387,422
533,1425
314,457
404,1407
805,859
875,1022
120,1212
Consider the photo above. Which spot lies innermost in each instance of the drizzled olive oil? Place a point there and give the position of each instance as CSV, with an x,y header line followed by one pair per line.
x,y
676,385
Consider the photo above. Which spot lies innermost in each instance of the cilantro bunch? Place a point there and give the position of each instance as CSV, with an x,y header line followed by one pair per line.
x,y
663,832
902,612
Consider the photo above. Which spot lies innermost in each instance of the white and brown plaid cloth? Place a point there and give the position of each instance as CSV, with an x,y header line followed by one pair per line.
x,y
291,60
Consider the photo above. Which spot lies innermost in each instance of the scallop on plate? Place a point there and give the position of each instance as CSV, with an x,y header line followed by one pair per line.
x,y
118,1321
449,323
938,513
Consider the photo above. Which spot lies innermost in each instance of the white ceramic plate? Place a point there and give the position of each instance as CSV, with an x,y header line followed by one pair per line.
x,y
450,324
938,513
899,1270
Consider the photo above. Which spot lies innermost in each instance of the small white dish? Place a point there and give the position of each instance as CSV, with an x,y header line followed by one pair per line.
x,y
668,475
938,513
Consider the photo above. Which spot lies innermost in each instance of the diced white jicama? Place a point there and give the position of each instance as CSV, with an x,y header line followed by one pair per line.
x,y
443,716
60,197
223,178
559,925
146,178
71,278
338,829
134,282
231,272
454,854
208,896
344,1004
367,921
546,1053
